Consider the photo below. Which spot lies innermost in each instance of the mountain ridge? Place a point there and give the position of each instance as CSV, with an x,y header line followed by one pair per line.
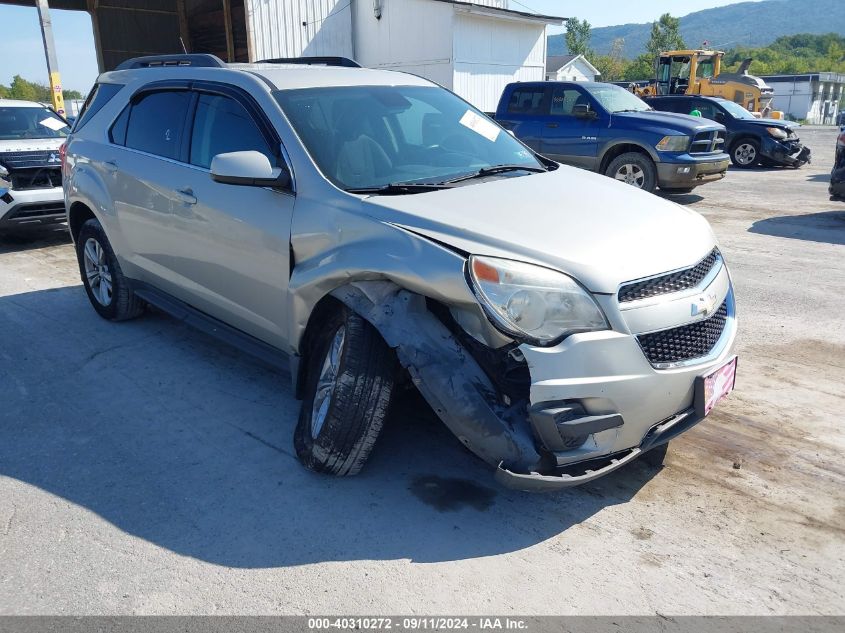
x,y
747,24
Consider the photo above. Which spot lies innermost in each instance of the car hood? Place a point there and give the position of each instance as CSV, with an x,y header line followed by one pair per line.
x,y
667,120
786,125
591,227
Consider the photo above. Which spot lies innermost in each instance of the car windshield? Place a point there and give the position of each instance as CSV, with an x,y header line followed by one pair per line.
x,y
736,110
617,99
18,122
367,137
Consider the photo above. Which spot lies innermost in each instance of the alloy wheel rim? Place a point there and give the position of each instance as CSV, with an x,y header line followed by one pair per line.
x,y
97,271
327,381
631,174
745,154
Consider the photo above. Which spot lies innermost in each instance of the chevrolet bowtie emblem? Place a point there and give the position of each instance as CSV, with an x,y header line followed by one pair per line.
x,y
705,304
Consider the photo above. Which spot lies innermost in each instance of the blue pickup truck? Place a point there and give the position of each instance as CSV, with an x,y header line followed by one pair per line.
x,y
607,129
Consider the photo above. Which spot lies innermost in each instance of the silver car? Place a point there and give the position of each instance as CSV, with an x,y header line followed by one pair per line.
x,y
371,230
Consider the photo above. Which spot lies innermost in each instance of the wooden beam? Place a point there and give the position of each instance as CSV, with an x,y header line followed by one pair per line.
x,y
230,35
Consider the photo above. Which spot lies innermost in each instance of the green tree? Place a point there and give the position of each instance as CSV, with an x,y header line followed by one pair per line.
x,y
612,66
4,92
578,37
23,89
665,36
640,68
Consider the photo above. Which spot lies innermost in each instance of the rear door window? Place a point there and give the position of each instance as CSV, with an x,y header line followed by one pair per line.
x,y
156,123
223,125
527,101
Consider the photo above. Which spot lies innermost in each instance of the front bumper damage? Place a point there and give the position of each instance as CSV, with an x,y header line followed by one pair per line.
x,y
592,405
788,153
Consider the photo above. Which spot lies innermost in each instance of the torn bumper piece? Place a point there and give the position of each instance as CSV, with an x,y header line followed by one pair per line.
x,y
589,470
533,448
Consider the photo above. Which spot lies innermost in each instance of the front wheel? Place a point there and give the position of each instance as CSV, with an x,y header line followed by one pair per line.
x,y
634,169
745,153
349,383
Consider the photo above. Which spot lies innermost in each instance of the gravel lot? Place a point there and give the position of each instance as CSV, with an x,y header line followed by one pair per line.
x,y
145,468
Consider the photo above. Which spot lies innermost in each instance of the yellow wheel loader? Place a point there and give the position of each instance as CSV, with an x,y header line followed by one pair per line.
x,y
700,72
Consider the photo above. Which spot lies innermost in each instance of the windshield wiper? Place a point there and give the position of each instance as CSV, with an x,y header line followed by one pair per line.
x,y
399,188
498,169
633,110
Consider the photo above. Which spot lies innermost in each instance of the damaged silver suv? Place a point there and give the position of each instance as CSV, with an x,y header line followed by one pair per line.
x,y
365,227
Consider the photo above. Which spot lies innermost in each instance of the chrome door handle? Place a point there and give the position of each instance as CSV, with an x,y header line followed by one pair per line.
x,y
110,165
186,195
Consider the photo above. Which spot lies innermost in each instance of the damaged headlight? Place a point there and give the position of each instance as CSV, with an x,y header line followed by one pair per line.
x,y
531,303
778,133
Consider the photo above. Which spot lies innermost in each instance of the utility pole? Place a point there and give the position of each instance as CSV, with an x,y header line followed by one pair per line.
x,y
50,52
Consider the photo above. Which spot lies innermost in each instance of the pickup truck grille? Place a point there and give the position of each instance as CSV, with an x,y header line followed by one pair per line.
x,y
671,282
707,142
686,342
37,158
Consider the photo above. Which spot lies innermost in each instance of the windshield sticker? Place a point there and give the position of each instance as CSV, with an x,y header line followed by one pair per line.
x,y
480,125
53,124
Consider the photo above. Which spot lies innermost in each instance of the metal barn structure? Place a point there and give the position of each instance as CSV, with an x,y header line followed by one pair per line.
x,y
473,47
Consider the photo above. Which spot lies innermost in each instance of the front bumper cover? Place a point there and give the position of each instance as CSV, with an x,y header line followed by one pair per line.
x,y
692,173
613,404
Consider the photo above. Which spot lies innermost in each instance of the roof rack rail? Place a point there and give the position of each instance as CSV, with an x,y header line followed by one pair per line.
x,y
313,61
197,60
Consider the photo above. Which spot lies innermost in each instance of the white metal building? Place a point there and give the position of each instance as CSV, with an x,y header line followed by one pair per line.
x,y
813,97
473,48
570,68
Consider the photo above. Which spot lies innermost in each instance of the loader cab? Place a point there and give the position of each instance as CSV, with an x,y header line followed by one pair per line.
x,y
679,71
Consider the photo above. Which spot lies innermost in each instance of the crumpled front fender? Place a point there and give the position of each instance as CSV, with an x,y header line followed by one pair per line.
x,y
446,375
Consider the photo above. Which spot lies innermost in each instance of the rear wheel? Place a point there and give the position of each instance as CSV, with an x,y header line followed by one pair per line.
x,y
634,169
108,290
745,153
349,383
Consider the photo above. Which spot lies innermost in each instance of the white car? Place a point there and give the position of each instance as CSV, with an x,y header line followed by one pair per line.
x,y
31,136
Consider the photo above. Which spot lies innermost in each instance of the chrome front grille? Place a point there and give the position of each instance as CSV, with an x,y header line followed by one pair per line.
x,y
670,282
25,160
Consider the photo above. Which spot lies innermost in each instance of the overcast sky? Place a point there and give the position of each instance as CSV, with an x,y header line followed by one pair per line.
x,y
22,52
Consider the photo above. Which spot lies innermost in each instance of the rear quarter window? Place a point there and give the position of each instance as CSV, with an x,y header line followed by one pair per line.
x,y
99,96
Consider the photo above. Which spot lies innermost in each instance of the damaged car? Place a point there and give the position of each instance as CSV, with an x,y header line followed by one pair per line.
x,y
367,227
750,141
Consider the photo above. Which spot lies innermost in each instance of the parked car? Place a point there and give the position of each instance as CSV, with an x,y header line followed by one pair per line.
x,y
605,128
364,225
837,174
750,141
31,136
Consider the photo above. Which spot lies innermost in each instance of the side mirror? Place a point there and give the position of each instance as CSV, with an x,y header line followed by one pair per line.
x,y
248,168
583,111
5,180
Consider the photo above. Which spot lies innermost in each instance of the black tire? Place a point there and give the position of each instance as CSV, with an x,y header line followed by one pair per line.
x,y
122,303
656,456
629,163
358,400
677,192
745,153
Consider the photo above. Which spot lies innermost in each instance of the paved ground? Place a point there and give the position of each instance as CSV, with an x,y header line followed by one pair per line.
x,y
147,469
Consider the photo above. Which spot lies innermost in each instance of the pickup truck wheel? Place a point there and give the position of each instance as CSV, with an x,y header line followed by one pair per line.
x,y
108,289
634,169
349,383
745,153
